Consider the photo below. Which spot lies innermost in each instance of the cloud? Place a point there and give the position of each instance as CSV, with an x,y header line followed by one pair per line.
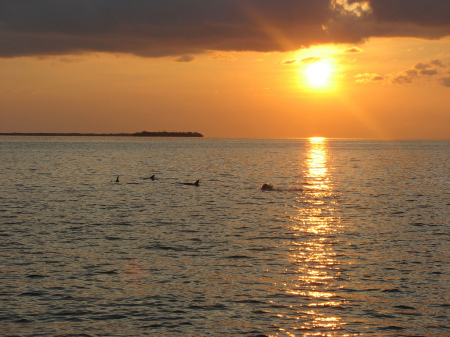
x,y
368,78
358,20
70,59
422,13
445,81
420,71
353,50
188,27
290,61
185,58
159,28
311,59
428,72
438,63
223,56
406,77
422,65
429,69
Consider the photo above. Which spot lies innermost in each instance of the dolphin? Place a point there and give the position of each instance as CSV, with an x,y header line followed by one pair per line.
x,y
197,183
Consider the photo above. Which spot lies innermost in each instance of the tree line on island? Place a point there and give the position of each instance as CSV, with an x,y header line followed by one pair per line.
x,y
166,134
137,134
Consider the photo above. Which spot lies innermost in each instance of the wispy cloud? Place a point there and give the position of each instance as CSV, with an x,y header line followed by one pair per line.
x,y
420,71
353,50
405,77
223,56
368,78
445,81
185,59
438,63
311,59
292,61
428,72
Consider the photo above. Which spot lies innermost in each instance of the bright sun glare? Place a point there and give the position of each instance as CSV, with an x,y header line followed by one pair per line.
x,y
318,73
316,139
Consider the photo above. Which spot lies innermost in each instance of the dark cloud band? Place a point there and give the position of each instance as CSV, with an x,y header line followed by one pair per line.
x,y
184,27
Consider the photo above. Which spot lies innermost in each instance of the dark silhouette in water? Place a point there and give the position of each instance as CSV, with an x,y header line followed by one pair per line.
x,y
152,178
266,187
117,179
269,187
197,183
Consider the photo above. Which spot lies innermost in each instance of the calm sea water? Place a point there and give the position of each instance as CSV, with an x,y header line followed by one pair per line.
x,y
353,241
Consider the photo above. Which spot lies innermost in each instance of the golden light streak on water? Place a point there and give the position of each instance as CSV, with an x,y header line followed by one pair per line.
x,y
312,252
317,174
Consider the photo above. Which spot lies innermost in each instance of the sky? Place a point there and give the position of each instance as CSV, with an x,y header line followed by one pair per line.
x,y
227,68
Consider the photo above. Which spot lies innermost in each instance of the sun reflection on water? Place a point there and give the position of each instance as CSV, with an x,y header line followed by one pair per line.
x,y
317,174
311,255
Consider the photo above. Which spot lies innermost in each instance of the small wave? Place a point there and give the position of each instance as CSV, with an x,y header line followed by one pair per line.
x,y
35,276
217,306
418,224
70,313
108,272
249,301
406,307
172,248
32,293
112,238
108,317
393,290
238,257
391,327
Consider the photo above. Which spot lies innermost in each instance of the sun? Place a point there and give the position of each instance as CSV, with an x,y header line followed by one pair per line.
x,y
318,73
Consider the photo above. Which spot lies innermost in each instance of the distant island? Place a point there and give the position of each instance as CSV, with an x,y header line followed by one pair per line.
x,y
137,134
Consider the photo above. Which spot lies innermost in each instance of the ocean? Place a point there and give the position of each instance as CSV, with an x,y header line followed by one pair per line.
x,y
352,240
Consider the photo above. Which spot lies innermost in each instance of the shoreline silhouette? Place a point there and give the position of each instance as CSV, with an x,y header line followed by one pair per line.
x,y
136,134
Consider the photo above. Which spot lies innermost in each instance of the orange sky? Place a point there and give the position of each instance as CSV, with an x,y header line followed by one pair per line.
x,y
377,87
